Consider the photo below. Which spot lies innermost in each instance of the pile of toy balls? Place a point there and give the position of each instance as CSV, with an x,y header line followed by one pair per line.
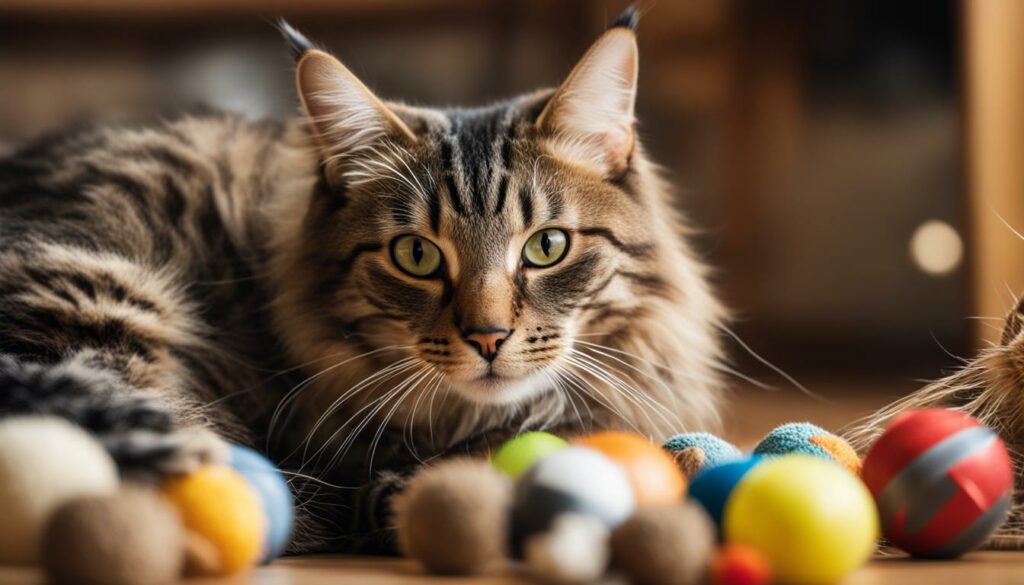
x,y
800,509
568,510
67,509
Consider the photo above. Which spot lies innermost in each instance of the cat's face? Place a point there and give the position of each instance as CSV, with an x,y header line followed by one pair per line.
x,y
477,243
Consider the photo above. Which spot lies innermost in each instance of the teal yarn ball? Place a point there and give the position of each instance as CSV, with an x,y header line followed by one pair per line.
x,y
716,450
808,439
793,438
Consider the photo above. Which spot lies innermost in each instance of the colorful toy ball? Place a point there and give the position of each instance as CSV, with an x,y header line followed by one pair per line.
x,y
943,482
694,452
275,495
713,486
655,477
573,480
810,440
217,504
44,462
520,452
130,537
736,564
814,521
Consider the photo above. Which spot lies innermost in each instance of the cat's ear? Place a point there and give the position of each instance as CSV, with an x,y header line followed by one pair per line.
x,y
589,119
344,113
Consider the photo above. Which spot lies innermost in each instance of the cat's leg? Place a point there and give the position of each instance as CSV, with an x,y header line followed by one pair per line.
x,y
113,346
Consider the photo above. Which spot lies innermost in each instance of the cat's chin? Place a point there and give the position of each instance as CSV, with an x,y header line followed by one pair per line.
x,y
499,390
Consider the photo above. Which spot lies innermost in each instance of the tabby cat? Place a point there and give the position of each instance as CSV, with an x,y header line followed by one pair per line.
x,y
358,291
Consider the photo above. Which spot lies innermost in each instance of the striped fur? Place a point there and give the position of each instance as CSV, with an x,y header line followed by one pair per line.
x,y
205,275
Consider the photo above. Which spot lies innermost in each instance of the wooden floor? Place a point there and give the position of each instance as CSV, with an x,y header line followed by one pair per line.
x,y
753,413
981,568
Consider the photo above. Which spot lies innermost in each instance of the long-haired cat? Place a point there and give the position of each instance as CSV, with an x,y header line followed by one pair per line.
x,y
358,291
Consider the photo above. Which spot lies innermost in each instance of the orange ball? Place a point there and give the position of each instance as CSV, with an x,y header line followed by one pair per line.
x,y
218,504
654,475
737,564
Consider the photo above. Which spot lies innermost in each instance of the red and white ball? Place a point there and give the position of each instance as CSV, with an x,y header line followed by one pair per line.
x,y
943,482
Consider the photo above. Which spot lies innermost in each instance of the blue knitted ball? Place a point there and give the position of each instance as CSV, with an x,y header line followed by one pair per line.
x,y
713,486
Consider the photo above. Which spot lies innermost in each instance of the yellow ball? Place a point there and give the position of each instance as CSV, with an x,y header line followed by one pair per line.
x,y
217,503
814,520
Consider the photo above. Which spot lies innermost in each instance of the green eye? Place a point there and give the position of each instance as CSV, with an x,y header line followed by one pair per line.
x,y
546,248
416,256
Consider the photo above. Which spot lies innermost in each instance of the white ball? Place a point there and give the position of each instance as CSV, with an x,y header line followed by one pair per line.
x,y
574,550
591,479
44,462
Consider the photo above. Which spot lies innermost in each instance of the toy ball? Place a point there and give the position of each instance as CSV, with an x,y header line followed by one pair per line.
x,y
713,486
132,537
665,545
943,482
520,452
278,508
572,480
216,503
655,477
45,462
736,564
453,516
810,440
696,451
812,519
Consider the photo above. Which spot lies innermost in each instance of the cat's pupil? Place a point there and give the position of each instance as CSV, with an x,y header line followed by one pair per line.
x,y
417,251
545,244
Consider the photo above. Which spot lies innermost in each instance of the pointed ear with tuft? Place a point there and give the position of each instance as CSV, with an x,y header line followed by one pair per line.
x,y
589,120
345,115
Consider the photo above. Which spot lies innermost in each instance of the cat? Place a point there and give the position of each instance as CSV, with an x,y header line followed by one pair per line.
x,y
357,291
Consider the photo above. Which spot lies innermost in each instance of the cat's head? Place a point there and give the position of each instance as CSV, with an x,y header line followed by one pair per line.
x,y
477,243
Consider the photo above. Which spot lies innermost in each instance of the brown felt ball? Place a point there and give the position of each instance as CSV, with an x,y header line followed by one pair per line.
x,y
453,517
132,537
665,545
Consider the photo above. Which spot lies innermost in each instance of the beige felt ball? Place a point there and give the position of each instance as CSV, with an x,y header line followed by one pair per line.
x,y
665,545
132,537
453,517
44,462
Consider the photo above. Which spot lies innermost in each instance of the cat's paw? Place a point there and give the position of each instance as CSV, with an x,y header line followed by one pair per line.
x,y
138,430
195,448
141,453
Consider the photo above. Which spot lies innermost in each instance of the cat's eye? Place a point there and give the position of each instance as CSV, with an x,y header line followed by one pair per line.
x,y
545,248
416,256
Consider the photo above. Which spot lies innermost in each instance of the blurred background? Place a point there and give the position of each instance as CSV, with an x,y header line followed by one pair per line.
x,y
848,164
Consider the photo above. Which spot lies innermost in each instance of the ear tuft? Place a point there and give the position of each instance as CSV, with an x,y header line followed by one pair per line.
x,y
298,44
628,19
345,114
590,119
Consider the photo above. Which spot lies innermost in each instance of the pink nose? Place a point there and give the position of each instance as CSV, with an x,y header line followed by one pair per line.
x,y
486,341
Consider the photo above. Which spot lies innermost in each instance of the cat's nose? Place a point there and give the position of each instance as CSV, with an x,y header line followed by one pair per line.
x,y
486,340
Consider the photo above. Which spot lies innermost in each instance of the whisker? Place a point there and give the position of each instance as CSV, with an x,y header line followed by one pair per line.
x,y
373,380
293,393
639,399
768,364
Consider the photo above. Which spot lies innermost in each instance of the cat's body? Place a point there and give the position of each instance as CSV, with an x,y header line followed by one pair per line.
x,y
358,294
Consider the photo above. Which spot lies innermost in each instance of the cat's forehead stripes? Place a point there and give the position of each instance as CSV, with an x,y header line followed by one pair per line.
x,y
476,158
483,181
